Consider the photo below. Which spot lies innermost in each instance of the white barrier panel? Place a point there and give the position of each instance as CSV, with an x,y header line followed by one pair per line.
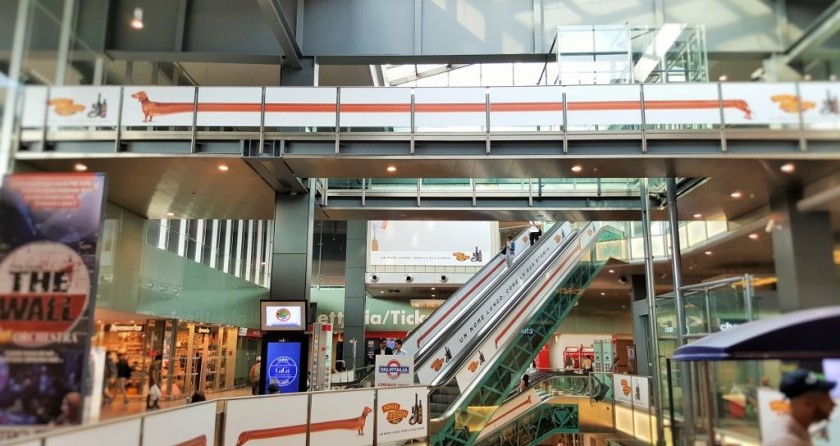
x,y
157,106
623,389
34,107
263,421
189,426
526,106
394,370
87,106
760,103
401,414
342,418
300,106
430,243
641,392
603,105
511,410
825,114
682,104
375,107
223,106
773,408
125,432
450,107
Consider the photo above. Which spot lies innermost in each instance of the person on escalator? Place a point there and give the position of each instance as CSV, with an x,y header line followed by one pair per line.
x,y
534,232
523,384
509,251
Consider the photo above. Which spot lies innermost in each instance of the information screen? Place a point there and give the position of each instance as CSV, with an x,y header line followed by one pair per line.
x,y
283,316
283,366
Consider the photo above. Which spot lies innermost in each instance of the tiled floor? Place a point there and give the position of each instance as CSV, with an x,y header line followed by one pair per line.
x,y
136,405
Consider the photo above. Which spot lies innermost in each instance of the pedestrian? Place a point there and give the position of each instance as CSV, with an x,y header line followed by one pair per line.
x,y
534,232
399,350
509,251
153,399
523,384
383,348
109,378
273,388
255,376
123,375
810,403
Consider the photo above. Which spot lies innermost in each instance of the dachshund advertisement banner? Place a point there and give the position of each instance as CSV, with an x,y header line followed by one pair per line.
x,y
71,106
49,229
267,420
343,418
401,414
193,425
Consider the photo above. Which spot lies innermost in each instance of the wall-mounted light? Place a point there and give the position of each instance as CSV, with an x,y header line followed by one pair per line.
x,y
137,19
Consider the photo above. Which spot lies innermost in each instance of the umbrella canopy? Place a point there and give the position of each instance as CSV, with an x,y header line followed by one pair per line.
x,y
806,334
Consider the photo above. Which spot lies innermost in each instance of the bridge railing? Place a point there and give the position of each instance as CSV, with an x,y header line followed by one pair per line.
x,y
131,112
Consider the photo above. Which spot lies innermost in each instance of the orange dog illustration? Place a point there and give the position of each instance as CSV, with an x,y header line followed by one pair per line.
x,y
356,424
197,441
152,109
437,364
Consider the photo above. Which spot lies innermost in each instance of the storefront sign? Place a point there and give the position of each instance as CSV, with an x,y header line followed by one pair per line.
x,y
123,328
394,370
49,228
202,330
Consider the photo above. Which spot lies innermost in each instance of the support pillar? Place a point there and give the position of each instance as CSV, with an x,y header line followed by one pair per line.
x,y
291,255
354,293
299,77
641,335
803,255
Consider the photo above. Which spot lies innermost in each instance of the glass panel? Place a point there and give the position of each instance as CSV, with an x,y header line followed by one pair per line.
x,y
715,227
696,232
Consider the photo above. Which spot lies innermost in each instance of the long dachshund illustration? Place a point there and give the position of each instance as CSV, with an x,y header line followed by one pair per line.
x,y
197,441
356,424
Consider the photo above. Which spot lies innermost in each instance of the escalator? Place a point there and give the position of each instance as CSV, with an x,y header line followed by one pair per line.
x,y
503,348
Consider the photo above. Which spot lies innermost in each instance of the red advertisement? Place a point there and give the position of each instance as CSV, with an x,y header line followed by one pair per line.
x,y
49,228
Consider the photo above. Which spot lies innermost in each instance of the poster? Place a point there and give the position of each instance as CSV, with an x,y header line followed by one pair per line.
x,y
430,243
283,366
773,408
229,106
193,425
761,103
394,370
825,113
343,418
623,385
128,433
264,421
90,106
402,414
49,228
157,106
641,392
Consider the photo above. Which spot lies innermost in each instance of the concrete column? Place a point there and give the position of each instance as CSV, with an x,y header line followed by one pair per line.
x,y
354,292
291,255
802,253
641,335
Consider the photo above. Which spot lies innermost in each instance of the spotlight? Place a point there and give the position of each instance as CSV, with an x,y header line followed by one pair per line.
x,y
79,167
374,278
444,278
409,278
137,20
622,280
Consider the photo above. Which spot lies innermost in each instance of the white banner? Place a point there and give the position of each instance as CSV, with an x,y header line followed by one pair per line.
x,y
518,316
826,111
157,106
623,389
430,243
401,414
343,418
83,106
450,107
229,106
375,107
510,411
193,425
526,106
124,432
761,103
267,420
300,106
682,104
394,370
773,407
603,105
35,107
641,392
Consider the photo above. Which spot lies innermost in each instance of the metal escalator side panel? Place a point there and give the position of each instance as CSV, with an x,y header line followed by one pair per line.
x,y
524,310
459,336
536,424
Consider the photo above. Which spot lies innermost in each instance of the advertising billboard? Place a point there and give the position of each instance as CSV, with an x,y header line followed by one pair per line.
x,y
430,243
283,366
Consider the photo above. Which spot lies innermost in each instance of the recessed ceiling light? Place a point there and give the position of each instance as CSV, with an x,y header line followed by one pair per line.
x,y
223,167
170,214
137,20
698,215
576,169
753,236
433,288
723,78
611,271
433,295
79,167
788,168
391,168
736,194
708,253
603,293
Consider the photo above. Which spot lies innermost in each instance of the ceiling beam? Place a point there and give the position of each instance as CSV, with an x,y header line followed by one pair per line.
x,y
823,28
279,23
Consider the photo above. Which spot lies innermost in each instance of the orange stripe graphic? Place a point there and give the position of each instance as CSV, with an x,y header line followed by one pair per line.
x,y
512,409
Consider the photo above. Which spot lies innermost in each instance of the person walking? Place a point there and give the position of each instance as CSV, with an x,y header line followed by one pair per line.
x,y
810,403
153,399
509,251
534,232
123,375
255,376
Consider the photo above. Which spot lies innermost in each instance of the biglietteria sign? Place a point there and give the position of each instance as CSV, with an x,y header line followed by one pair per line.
x,y
49,228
